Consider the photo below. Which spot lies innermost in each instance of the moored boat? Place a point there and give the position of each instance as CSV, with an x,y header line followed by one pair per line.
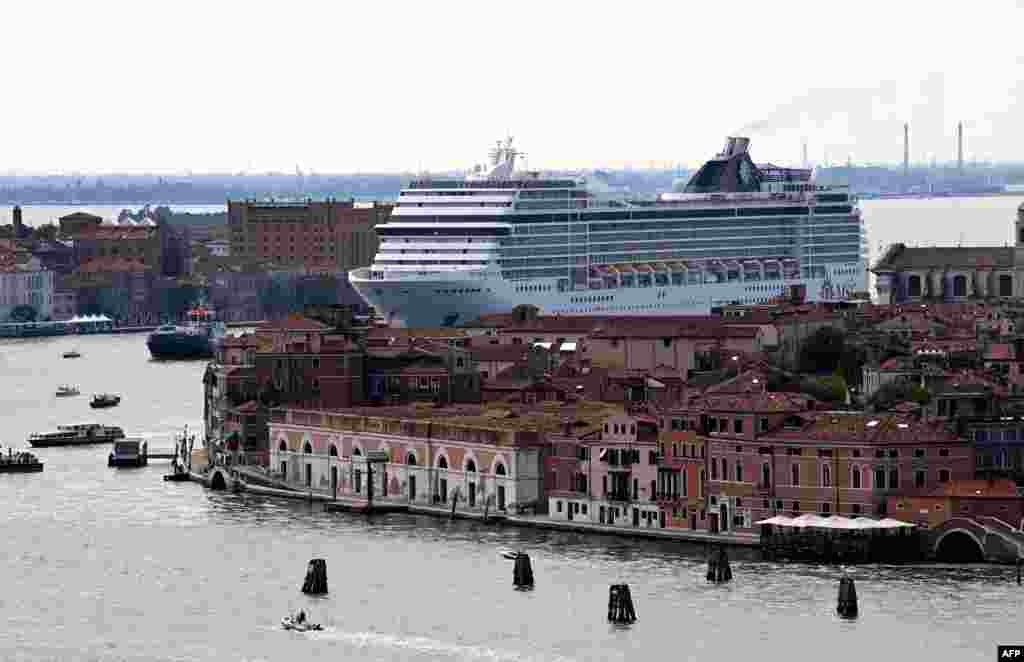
x,y
66,390
200,337
77,435
73,354
21,462
102,400
129,453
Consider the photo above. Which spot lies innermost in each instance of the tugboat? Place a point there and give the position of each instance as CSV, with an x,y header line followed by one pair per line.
x,y
199,338
77,435
129,453
103,400
65,390
22,462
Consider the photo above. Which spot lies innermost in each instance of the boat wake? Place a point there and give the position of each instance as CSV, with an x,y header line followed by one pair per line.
x,y
434,648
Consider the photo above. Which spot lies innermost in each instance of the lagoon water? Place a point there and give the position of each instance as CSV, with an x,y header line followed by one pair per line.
x,y
115,564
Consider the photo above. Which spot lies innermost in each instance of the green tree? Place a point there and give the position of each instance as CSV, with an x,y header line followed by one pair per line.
x,y
831,388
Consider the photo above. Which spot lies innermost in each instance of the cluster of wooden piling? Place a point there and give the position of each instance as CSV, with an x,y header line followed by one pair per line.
x,y
522,574
316,578
620,605
719,571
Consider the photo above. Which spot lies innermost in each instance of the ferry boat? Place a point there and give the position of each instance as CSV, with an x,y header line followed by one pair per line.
x,y
200,337
22,462
104,400
77,435
129,453
736,232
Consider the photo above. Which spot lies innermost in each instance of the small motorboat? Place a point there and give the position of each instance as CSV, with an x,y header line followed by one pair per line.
x,y
101,400
21,462
65,390
73,354
291,623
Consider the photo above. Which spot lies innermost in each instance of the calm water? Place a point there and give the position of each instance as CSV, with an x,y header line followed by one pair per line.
x,y
105,564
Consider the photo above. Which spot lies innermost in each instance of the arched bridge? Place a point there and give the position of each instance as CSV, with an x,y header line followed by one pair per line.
x,y
975,539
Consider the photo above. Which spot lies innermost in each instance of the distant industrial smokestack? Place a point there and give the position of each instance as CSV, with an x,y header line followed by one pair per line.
x,y
906,149
960,147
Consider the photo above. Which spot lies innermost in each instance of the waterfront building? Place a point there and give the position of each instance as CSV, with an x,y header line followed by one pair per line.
x,y
120,287
922,274
829,463
23,285
975,499
681,470
472,456
614,478
330,235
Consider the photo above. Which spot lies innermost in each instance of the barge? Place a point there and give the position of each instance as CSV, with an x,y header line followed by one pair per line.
x,y
77,435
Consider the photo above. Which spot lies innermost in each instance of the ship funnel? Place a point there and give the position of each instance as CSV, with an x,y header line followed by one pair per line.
x,y
734,146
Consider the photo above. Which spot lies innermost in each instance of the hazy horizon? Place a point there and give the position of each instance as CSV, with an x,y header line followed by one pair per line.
x,y
393,87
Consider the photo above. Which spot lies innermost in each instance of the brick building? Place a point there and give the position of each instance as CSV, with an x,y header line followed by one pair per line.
x,y
328,235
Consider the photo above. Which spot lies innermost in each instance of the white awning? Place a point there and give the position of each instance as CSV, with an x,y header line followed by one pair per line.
x,y
834,522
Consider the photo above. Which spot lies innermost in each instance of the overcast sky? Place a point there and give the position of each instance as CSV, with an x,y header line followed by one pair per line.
x,y
376,85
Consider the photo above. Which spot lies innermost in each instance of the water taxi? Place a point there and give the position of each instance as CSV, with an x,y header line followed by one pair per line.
x,y
102,400
129,453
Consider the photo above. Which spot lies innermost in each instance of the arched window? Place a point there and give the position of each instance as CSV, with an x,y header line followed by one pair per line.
x,y
470,466
826,476
357,452
855,476
499,470
442,462
739,472
282,447
914,286
960,285
410,459
765,476
796,474
307,448
333,451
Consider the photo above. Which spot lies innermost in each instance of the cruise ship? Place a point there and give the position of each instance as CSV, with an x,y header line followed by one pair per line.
x,y
737,232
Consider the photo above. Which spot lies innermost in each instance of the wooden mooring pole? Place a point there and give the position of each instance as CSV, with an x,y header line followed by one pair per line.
x,y
620,605
316,578
719,571
846,606
522,574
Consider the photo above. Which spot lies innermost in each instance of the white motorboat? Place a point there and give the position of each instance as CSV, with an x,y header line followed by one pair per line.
x,y
66,390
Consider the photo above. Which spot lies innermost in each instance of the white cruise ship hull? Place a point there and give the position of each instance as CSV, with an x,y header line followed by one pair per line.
x,y
454,301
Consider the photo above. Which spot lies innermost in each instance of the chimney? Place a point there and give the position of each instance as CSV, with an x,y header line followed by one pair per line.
x,y
906,149
960,147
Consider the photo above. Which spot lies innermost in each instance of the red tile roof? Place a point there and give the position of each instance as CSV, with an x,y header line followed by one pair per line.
x,y
999,352
870,429
112,264
117,232
512,353
978,488
674,327
294,324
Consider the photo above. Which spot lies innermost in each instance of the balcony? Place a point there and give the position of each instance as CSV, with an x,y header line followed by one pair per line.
x,y
619,496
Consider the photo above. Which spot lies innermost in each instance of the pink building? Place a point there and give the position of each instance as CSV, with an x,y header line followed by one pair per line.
x,y
614,477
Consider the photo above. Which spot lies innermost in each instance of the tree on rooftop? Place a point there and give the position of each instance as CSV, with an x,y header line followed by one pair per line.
x,y
894,392
831,388
822,352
